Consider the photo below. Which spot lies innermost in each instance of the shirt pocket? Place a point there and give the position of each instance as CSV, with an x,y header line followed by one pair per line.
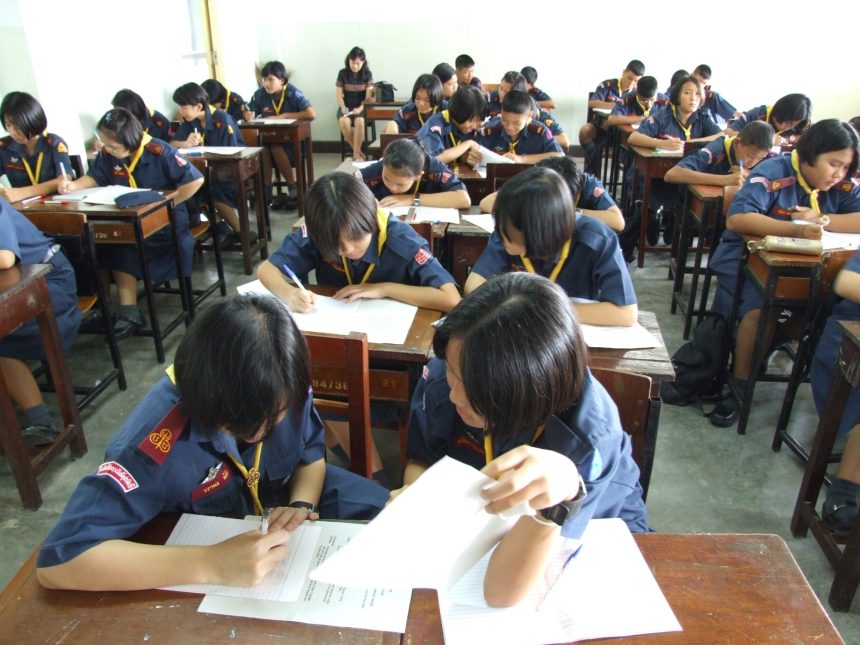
x,y
218,493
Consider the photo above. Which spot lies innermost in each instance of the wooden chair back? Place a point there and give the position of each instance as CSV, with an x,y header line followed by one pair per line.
x,y
499,173
691,147
340,374
386,138
77,166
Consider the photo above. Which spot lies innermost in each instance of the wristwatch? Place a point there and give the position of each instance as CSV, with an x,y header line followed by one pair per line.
x,y
311,507
559,513
417,200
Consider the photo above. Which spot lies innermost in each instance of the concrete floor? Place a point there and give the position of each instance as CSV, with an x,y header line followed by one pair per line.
x,y
705,479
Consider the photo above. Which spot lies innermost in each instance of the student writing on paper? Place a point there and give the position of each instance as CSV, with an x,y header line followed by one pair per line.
x,y
130,157
516,135
814,180
450,136
31,158
407,176
234,434
538,231
510,393
790,116
513,80
153,122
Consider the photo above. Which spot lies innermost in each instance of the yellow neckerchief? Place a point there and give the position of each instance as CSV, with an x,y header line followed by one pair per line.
x,y
420,118
252,476
281,102
645,111
227,98
512,146
565,251
685,130
767,116
382,221
137,155
813,193
34,178
620,91
447,117
730,151
488,443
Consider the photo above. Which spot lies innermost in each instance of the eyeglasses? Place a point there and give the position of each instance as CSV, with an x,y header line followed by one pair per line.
x,y
111,148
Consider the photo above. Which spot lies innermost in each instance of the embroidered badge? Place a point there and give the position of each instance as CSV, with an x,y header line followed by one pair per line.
x,y
357,173
158,443
425,372
304,231
445,177
437,129
216,478
61,147
598,191
423,256
120,475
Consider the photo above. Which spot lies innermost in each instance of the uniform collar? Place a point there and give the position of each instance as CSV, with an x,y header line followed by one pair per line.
x,y
371,255
21,149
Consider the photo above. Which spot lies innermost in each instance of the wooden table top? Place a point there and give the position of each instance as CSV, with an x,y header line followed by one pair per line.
x,y
650,153
94,211
246,152
705,192
18,277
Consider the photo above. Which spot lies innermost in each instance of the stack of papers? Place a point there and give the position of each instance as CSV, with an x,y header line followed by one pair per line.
x,y
488,157
212,150
271,121
105,195
831,241
431,214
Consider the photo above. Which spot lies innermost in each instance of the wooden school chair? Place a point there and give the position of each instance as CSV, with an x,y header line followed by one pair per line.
x,y
340,373
387,138
499,173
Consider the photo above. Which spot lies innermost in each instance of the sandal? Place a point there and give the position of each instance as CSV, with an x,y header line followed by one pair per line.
x,y
839,518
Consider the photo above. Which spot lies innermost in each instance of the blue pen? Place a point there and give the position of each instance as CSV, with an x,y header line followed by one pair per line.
x,y
295,278
573,555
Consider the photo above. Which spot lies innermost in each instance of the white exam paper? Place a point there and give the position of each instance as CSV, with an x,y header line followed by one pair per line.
x,y
488,157
270,121
485,221
831,241
430,214
105,195
212,150
634,337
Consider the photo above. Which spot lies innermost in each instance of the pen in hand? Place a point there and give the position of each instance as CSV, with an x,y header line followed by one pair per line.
x,y
264,522
295,279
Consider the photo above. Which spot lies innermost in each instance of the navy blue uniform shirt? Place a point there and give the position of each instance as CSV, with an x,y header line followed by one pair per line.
x,y
157,125
52,150
438,134
663,124
535,138
289,99
437,178
408,120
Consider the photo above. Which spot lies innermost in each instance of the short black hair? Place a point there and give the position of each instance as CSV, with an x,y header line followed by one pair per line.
x,y
517,101
240,364
537,202
855,122
679,74
191,94
467,103
444,72
24,112
793,107
356,53
432,85
703,70
675,92
405,156
275,68
757,134
828,135
516,80
635,66
569,171
522,354
339,204
464,60
530,74
131,101
216,91
646,87
123,126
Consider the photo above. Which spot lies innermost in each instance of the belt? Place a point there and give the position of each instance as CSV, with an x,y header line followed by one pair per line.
x,y
52,251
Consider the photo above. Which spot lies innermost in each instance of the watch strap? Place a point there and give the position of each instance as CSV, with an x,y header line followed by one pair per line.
x,y
299,504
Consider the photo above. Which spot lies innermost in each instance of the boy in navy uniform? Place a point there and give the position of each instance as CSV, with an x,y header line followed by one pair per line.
x,y
466,71
225,99
154,123
451,134
513,80
719,108
635,107
543,99
217,437
515,135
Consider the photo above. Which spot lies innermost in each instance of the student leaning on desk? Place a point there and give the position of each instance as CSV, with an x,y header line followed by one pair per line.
x,y
510,393
235,432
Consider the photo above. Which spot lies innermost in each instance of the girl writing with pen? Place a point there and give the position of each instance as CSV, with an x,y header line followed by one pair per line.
x,y
789,117
32,159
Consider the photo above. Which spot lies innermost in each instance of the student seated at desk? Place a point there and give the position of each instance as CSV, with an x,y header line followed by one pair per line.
x,y
725,161
408,176
224,99
451,135
839,511
589,194
279,99
465,65
812,181
154,123
130,157
714,103
31,158
516,135
543,99
538,231
540,424
513,80
635,106
789,117
425,102
447,75
354,88
238,434
22,243
205,125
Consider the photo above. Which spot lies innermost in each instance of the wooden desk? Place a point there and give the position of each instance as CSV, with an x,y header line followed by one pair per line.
x,y
132,225
241,169
24,296
722,588
299,134
381,111
478,186
651,166
464,243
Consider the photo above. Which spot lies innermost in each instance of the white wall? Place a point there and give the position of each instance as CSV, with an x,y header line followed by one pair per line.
x,y
74,56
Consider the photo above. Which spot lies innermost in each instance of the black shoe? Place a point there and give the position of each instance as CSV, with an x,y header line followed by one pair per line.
x,y
668,227
225,235
725,414
93,323
653,235
39,435
126,325
840,518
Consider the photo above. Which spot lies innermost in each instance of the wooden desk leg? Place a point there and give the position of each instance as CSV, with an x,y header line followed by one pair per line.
x,y
149,295
16,451
643,223
244,225
264,228
679,255
309,156
216,248
301,178
655,405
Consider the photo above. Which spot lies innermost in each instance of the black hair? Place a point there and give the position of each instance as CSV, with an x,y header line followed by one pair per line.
x,y
635,66
275,68
517,101
339,204
538,203
757,134
356,52
679,74
405,156
240,364
792,107
855,122
123,126
569,171
467,103
675,91
216,91
432,85
444,72
131,101
828,135
191,94
464,60
522,354
703,70
530,74
517,80
646,87
24,112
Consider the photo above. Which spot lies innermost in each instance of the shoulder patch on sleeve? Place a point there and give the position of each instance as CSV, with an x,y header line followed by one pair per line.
x,y
61,147
180,160
158,443
304,230
156,148
423,256
124,479
598,191
437,129
847,185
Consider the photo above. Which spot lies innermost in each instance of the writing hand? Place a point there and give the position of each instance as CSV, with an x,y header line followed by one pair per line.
x,y
301,301
353,292
244,560
395,200
65,186
288,518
